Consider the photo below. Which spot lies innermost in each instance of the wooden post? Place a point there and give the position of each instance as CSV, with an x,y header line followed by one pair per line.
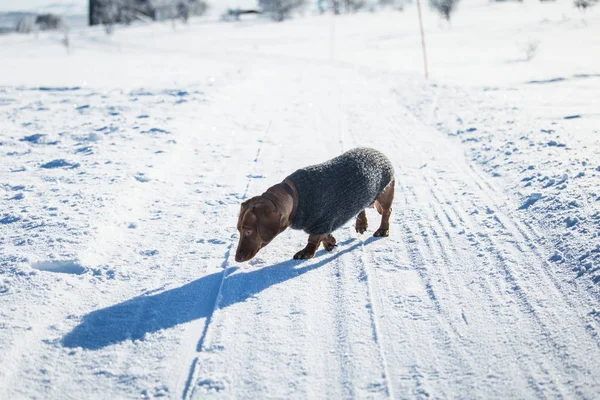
x,y
422,39
332,37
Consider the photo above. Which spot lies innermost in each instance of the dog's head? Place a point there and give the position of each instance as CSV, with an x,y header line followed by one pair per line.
x,y
259,222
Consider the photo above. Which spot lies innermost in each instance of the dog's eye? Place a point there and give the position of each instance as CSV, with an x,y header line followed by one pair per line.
x,y
247,232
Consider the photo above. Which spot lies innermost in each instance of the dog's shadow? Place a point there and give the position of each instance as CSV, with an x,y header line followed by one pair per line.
x,y
134,318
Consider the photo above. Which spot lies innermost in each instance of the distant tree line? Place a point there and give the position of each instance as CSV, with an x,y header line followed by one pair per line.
x,y
350,6
110,12
282,9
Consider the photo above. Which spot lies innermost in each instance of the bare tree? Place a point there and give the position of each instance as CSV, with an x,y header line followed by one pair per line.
x,y
354,5
197,7
530,49
340,6
25,24
280,9
443,7
49,22
583,5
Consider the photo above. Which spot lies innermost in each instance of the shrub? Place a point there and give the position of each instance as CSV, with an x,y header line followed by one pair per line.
x,y
49,22
531,49
444,7
280,9
584,4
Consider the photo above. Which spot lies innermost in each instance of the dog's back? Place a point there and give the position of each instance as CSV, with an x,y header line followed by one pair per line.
x,y
332,193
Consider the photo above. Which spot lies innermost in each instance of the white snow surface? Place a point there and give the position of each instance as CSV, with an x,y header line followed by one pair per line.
x,y
124,161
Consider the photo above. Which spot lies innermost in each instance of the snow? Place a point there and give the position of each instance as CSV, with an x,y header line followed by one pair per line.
x,y
125,159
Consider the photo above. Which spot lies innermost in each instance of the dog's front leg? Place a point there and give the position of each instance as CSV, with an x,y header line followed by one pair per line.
x,y
314,241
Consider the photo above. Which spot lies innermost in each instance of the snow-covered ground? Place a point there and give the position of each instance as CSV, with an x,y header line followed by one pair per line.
x,y
124,161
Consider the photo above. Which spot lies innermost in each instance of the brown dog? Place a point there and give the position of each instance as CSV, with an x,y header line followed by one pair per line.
x,y
264,217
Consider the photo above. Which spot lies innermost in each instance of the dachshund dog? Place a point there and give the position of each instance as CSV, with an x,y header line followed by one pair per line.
x,y
319,199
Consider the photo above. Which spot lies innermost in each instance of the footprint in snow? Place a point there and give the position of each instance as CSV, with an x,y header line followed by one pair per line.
x,y
556,257
58,88
571,222
38,138
87,150
60,163
530,200
155,130
554,143
9,219
140,177
4,289
60,266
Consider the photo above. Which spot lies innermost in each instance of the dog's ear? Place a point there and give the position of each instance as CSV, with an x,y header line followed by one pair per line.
x,y
269,221
243,209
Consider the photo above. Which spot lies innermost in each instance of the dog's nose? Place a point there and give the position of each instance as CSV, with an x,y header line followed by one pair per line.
x,y
239,258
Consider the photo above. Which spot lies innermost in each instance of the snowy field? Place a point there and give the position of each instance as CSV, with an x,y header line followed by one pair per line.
x,y
123,162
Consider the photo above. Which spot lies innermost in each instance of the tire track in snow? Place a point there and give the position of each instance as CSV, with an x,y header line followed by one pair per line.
x,y
392,143
444,241
493,254
507,260
341,333
187,392
365,271
374,318
434,248
503,264
433,241
422,257
112,244
225,265
336,355
490,247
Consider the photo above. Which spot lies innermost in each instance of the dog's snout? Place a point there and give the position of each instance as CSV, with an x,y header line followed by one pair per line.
x,y
238,256
241,255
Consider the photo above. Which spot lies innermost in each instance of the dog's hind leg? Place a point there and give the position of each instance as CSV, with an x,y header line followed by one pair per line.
x,y
383,204
361,222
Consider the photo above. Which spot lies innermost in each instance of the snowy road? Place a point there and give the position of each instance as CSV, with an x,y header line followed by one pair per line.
x,y
117,271
459,300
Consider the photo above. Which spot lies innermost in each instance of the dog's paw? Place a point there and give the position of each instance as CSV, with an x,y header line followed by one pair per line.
x,y
382,232
304,255
329,246
360,228
330,243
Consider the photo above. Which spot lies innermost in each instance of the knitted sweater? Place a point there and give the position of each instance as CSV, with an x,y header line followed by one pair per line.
x,y
332,193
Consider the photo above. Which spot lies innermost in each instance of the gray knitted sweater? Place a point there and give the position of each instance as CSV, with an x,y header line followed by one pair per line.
x,y
332,193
